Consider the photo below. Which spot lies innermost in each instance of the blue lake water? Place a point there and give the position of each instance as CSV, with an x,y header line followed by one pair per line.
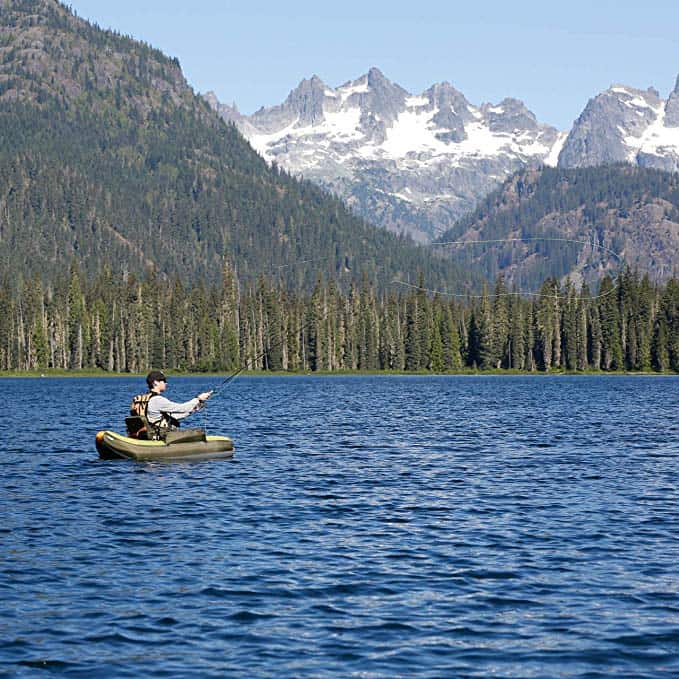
x,y
367,526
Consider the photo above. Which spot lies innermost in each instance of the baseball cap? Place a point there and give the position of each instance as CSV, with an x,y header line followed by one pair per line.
x,y
155,376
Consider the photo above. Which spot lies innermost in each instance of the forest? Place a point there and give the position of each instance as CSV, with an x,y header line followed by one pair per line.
x,y
120,323
109,161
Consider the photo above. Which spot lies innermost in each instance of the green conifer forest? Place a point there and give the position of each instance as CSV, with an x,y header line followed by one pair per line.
x,y
121,323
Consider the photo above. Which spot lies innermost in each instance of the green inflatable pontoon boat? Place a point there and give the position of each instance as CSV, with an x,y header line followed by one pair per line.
x,y
112,446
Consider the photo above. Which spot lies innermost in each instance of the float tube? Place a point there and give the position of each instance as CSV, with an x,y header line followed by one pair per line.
x,y
113,446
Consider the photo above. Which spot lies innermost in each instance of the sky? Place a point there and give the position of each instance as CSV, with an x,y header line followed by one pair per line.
x,y
554,56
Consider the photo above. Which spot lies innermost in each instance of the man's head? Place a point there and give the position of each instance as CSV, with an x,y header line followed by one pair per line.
x,y
154,377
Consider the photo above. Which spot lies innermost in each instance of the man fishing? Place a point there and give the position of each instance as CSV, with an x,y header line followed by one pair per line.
x,y
154,423
161,413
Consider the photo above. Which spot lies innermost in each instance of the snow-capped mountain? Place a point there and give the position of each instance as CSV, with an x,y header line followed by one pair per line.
x,y
410,163
416,163
624,124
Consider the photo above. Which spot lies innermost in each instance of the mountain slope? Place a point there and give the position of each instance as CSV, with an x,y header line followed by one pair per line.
x,y
581,223
107,157
412,164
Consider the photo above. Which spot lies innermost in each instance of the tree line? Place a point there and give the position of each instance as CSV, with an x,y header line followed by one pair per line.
x,y
121,323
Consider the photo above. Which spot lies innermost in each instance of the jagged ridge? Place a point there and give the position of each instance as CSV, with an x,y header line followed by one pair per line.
x,y
418,163
412,164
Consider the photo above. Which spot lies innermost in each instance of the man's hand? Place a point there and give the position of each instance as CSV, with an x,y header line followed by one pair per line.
x,y
204,396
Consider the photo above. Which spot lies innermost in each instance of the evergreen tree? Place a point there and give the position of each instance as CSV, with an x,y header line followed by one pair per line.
x,y
611,344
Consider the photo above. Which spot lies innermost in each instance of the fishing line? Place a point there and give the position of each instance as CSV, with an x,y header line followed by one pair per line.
x,y
523,293
344,259
232,376
314,259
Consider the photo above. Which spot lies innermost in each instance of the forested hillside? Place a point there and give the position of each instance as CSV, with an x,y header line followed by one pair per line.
x,y
138,229
614,216
107,157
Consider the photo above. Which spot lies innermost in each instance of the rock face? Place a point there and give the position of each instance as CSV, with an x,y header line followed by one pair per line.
x,y
672,108
575,224
626,125
412,164
416,164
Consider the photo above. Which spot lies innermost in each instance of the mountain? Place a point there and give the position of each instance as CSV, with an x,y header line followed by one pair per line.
x,y
624,124
416,164
109,159
412,164
580,223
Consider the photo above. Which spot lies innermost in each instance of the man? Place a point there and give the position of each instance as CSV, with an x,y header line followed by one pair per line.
x,y
163,414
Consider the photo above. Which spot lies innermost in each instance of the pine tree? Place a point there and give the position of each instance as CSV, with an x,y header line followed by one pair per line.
x,y
611,344
500,325
486,342
569,327
436,360
76,314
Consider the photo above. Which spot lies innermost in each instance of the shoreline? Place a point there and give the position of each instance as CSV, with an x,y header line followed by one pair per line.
x,y
77,374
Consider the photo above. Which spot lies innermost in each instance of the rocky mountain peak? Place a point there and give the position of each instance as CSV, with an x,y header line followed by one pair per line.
x,y
376,78
510,115
306,100
378,97
445,96
606,129
452,111
672,108
625,124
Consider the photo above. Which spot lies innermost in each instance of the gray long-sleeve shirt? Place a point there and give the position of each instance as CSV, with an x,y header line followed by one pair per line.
x,y
159,404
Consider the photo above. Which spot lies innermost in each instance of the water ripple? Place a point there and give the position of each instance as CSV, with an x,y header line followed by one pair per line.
x,y
373,527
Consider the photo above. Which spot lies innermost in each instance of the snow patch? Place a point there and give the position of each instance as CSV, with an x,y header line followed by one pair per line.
x,y
358,88
639,102
553,156
410,134
341,125
657,139
344,123
403,197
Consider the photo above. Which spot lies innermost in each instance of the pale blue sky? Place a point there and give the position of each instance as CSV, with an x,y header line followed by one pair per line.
x,y
553,56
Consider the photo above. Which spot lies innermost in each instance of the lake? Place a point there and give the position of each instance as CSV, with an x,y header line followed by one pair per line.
x,y
367,526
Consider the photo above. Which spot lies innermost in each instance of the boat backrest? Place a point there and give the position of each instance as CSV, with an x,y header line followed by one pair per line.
x,y
136,427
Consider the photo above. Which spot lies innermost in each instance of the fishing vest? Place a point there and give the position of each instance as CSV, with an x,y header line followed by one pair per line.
x,y
138,423
139,405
